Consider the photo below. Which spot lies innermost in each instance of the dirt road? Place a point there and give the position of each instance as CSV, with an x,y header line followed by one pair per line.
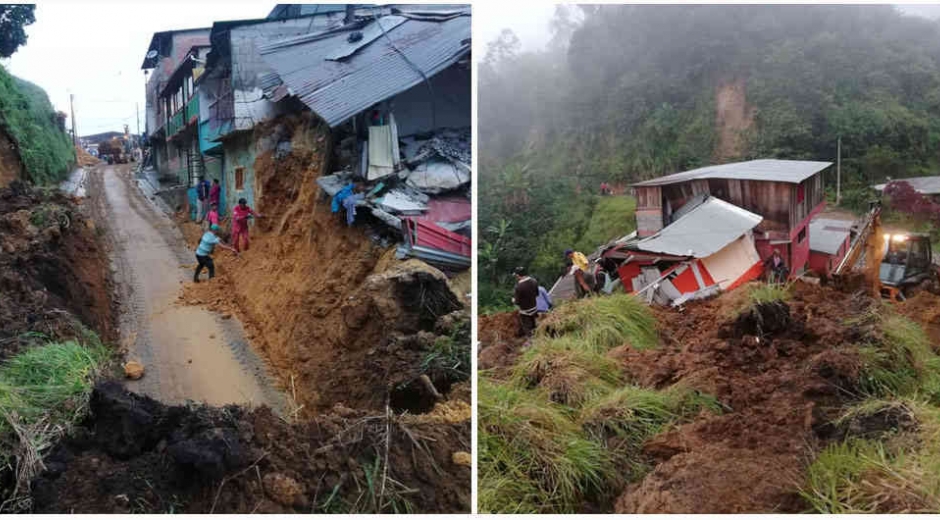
x,y
189,353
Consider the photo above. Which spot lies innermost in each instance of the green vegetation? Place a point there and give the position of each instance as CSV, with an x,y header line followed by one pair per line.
x,y
563,430
897,469
880,476
612,217
625,93
901,363
27,116
603,323
43,392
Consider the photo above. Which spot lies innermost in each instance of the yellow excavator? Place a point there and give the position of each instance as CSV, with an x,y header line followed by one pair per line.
x,y
902,263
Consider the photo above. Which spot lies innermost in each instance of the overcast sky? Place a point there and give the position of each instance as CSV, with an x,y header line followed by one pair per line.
x,y
95,51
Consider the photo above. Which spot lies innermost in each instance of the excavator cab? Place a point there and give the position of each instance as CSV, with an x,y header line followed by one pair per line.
x,y
906,263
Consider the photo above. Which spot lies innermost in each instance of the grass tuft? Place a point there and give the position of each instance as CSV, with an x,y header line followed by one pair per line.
x,y
533,456
604,323
567,370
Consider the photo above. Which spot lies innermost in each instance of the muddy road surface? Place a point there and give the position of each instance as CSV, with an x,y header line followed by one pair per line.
x,y
189,353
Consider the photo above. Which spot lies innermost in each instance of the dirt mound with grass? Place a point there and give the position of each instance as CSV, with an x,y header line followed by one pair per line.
x,y
924,308
52,269
500,340
135,455
781,371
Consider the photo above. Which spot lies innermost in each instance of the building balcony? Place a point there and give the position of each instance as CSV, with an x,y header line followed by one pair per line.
x,y
184,117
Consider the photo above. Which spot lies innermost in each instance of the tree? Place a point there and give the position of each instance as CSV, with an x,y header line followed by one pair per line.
x,y
13,18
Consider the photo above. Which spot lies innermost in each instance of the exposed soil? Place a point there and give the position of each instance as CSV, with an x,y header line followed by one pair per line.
x,y
924,308
188,353
733,117
781,372
52,269
11,167
135,455
339,319
500,342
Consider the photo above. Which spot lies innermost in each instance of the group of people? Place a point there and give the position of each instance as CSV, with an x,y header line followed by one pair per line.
x,y
606,188
208,197
531,299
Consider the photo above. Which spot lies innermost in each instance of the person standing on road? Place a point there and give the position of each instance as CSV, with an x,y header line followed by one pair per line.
x,y
204,252
202,195
240,215
525,297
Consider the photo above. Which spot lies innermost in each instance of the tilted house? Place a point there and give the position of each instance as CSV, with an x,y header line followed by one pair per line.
x,y
787,194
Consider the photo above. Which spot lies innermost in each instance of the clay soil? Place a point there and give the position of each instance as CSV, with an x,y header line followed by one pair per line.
x,y
500,342
338,318
780,372
50,274
136,455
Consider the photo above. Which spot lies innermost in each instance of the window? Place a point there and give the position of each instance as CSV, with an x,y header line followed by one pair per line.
x,y
239,178
189,87
800,194
801,236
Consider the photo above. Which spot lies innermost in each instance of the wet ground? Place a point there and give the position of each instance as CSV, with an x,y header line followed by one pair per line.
x,y
189,353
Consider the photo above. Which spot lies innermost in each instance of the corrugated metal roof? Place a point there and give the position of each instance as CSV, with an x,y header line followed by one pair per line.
x,y
924,185
337,90
828,235
703,231
774,170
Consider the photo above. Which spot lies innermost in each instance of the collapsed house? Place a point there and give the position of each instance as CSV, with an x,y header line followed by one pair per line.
x,y
711,229
392,82
829,241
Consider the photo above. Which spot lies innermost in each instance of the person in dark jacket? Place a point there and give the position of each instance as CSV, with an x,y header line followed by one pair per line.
x,y
525,298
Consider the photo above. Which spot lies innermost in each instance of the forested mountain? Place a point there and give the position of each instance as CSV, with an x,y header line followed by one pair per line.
x,y
626,93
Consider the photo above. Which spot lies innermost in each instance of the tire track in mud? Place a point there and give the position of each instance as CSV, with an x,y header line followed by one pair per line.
x,y
189,353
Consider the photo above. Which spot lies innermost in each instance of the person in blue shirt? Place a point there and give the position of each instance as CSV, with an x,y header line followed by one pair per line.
x,y
204,251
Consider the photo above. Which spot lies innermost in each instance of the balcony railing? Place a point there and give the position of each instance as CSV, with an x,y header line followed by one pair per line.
x,y
187,115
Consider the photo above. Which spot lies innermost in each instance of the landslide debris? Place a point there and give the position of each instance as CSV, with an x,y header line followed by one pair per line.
x,y
52,269
134,455
814,400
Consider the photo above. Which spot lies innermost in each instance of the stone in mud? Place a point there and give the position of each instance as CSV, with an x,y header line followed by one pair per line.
x,y
284,490
133,370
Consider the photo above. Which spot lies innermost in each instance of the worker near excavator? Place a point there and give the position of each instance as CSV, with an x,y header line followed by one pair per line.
x,y
204,252
240,215
583,278
525,298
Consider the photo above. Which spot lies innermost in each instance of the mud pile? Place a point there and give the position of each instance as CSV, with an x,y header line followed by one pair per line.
x,y
135,455
84,158
500,341
51,269
780,371
340,320
369,348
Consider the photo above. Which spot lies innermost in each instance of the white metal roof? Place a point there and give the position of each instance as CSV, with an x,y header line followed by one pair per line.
x,y
774,170
828,235
703,231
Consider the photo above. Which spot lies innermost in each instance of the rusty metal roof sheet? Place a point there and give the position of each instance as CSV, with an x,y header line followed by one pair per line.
x,y
701,232
337,90
774,170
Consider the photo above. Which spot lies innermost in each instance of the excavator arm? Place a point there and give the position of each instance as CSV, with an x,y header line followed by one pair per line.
x,y
870,242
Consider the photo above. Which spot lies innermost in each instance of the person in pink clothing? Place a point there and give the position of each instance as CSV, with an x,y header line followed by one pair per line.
x,y
240,215
214,192
213,216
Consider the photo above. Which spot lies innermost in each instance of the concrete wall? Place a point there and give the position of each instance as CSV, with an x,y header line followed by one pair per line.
x,y
240,151
450,104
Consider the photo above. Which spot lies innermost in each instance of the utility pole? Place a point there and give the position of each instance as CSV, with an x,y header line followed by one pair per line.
x,y
839,171
74,131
